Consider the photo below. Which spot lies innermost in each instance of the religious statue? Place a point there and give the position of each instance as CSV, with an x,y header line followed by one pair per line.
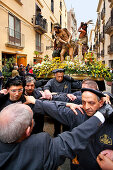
x,y
63,42
83,37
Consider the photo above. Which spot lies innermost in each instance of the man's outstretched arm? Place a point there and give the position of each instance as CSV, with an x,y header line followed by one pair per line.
x,y
67,144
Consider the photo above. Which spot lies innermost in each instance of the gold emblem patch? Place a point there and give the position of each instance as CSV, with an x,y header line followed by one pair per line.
x,y
106,139
65,87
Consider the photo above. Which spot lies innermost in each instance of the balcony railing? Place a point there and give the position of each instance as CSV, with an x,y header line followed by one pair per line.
x,y
103,13
98,55
110,49
40,24
109,26
15,39
40,48
102,53
102,37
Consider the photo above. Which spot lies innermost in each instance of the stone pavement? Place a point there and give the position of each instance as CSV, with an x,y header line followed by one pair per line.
x,y
49,127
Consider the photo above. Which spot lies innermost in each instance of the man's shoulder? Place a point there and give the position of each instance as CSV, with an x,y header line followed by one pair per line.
x,y
37,139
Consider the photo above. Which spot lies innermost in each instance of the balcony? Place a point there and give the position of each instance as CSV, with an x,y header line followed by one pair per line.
x,y
98,55
15,39
102,53
40,48
109,26
103,13
110,49
40,24
102,37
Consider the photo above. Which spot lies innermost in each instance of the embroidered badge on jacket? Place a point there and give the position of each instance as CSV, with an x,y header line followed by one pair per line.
x,y
65,87
106,139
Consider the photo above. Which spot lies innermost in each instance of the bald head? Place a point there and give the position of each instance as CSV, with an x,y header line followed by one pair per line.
x,y
14,120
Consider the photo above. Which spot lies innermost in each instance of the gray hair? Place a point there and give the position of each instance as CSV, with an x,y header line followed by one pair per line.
x,y
14,120
91,83
29,79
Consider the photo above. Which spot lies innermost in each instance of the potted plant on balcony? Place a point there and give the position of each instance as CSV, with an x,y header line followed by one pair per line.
x,y
109,79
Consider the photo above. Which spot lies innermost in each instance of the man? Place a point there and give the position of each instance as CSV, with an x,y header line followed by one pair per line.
x,y
64,37
14,92
58,84
61,84
21,150
30,90
91,101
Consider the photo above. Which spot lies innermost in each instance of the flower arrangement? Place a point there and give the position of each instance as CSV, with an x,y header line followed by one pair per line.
x,y
89,66
46,67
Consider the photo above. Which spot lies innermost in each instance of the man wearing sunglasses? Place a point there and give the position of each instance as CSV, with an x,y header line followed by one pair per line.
x,y
14,93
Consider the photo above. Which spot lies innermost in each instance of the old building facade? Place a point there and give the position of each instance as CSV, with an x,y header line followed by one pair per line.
x,y
26,28
104,32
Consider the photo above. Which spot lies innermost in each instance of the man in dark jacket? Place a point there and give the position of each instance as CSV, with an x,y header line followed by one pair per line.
x,y
15,88
30,90
20,150
92,101
14,92
59,84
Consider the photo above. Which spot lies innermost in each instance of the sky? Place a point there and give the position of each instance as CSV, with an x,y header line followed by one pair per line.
x,y
84,10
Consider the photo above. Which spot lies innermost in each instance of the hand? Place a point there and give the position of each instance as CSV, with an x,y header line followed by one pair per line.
x,y
75,106
43,95
104,162
106,110
106,99
48,94
71,97
4,91
30,99
108,153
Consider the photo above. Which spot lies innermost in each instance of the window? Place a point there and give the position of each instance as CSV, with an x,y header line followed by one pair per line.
x,y
52,5
14,30
38,42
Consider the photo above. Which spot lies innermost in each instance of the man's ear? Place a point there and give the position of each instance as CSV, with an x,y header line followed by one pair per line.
x,y
29,129
101,102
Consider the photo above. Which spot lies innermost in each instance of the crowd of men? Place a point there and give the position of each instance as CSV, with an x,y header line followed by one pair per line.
x,y
86,115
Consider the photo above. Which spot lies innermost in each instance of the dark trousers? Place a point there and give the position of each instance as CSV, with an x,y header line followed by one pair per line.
x,y
39,123
57,128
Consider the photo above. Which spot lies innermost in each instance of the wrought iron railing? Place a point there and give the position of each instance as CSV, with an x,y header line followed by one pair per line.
x,y
40,21
15,38
40,48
